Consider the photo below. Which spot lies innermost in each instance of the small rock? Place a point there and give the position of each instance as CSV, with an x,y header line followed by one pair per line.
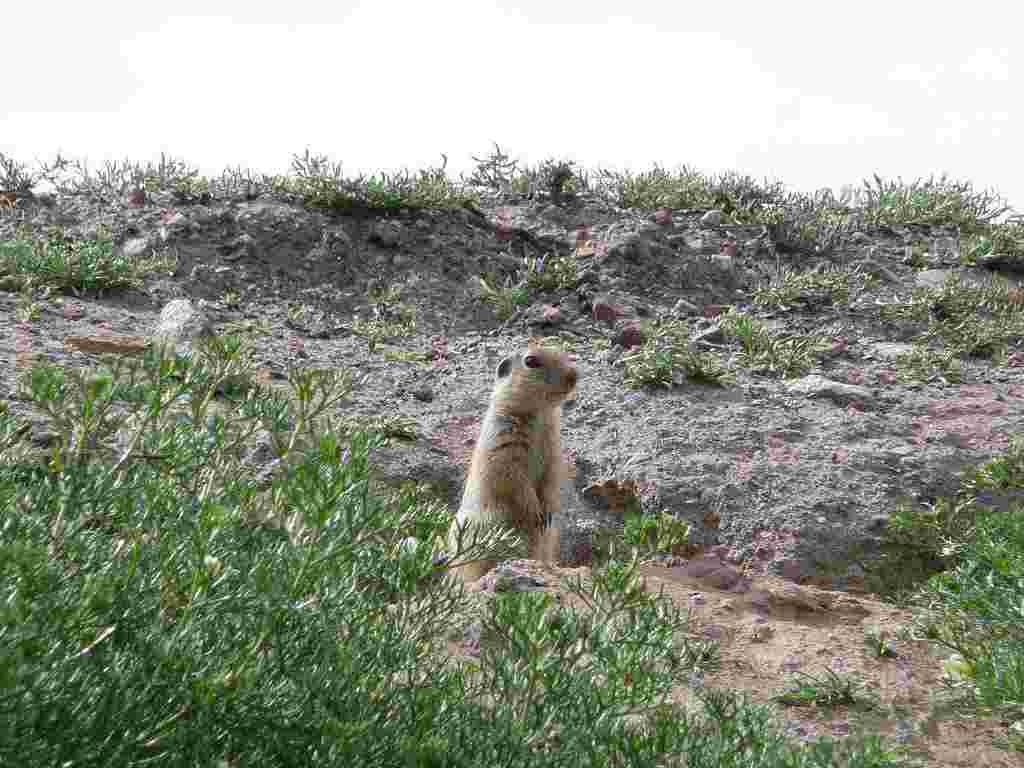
x,y
630,335
932,278
723,261
683,308
714,310
711,336
790,569
606,312
137,198
135,247
843,394
889,350
878,522
385,234
715,573
181,324
106,343
552,315
631,247
712,218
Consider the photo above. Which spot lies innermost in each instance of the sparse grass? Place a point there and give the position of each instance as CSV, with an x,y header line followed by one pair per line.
x,y
930,201
812,224
559,179
666,353
968,319
538,274
393,425
73,265
831,285
15,176
407,356
923,364
28,309
830,689
391,318
877,642
550,272
506,299
231,299
1006,240
739,197
322,183
769,353
816,223
654,534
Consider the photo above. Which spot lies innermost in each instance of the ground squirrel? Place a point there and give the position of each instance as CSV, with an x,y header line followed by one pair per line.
x,y
517,464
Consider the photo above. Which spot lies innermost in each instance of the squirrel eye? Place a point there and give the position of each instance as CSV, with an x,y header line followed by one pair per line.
x,y
532,361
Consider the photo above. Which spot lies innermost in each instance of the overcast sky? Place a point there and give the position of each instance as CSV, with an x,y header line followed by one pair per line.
x,y
811,93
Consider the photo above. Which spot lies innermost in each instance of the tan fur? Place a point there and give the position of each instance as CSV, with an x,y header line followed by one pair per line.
x,y
517,467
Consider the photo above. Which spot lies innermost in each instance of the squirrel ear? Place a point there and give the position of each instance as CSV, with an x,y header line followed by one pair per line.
x,y
504,367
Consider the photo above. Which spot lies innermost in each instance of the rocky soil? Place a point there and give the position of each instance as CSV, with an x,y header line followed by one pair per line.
x,y
786,482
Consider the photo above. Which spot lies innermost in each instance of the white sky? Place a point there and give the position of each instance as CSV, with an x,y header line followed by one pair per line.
x,y
811,93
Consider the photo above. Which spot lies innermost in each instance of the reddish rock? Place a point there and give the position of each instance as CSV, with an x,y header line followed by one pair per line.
x,y
630,335
98,343
137,198
716,574
607,312
714,310
552,315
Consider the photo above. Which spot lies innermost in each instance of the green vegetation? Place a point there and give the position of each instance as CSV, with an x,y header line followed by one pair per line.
x,y
827,286
966,318
961,562
811,223
537,275
161,607
923,364
506,299
830,689
1005,240
931,201
391,318
771,353
654,534
321,183
877,642
72,265
666,351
